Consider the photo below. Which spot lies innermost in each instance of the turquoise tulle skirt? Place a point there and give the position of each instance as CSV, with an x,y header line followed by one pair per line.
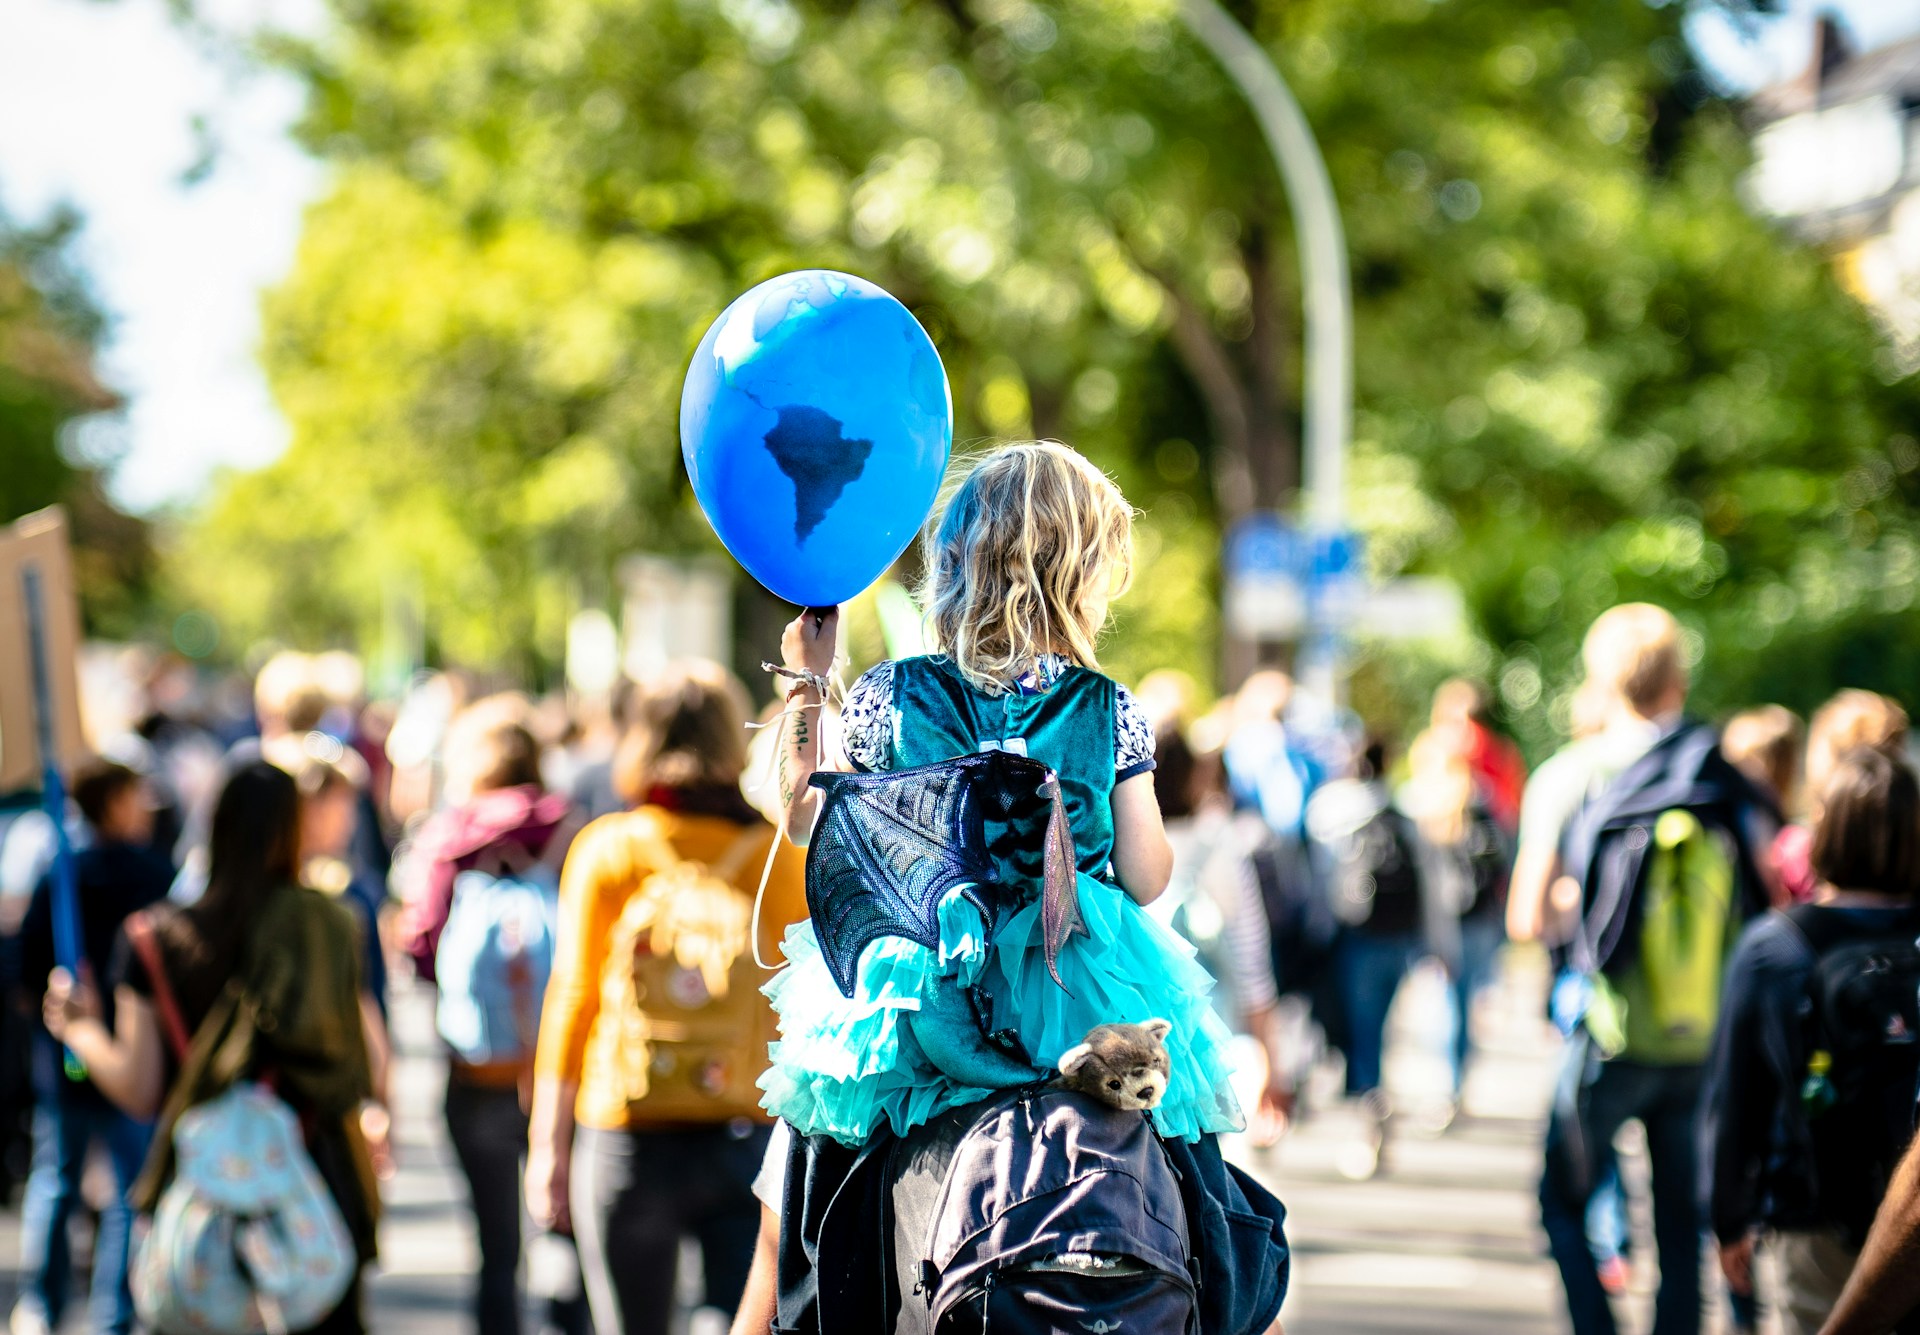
x,y
844,1065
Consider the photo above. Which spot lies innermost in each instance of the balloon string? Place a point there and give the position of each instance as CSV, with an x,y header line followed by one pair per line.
x,y
832,689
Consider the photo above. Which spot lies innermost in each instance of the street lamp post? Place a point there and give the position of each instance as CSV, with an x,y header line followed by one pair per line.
x,y
1326,286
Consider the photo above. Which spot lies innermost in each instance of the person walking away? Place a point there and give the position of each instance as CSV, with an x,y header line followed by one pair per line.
x,y
1214,901
645,1127
1467,858
1268,768
264,973
1646,790
1462,713
1811,1093
1851,718
1766,744
1368,855
331,778
591,783
116,874
502,830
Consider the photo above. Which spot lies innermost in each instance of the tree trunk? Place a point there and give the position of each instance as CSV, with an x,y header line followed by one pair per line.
x,y
1273,439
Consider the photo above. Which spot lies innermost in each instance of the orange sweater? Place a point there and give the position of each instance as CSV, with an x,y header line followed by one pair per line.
x,y
605,867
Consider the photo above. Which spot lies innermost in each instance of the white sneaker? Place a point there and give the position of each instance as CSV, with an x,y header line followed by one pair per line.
x,y
26,1321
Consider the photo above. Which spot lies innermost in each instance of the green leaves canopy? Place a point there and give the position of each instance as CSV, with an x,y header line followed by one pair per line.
x,y
1584,372
50,329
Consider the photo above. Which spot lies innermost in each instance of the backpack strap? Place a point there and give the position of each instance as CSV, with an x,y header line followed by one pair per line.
x,y
172,1024
660,851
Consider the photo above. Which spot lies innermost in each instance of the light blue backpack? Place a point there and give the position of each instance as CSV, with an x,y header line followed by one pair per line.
x,y
246,1239
493,962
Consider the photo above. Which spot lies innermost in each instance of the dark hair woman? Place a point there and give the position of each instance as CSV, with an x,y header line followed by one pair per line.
x,y
1795,1154
626,1140
273,965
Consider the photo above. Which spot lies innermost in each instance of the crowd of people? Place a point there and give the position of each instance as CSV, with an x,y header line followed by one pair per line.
x,y
591,890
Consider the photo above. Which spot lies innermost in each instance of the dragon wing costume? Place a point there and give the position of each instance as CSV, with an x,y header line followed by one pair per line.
x,y
889,846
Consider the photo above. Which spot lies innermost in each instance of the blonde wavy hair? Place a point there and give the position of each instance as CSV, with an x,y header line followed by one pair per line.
x,y
1033,544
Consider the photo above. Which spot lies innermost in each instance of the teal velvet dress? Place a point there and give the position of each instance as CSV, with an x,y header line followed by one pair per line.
x,y
844,1066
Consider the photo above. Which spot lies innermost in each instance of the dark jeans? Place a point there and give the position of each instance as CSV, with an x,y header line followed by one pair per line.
x,y
1480,942
489,1133
1369,969
1665,1100
637,1193
64,1126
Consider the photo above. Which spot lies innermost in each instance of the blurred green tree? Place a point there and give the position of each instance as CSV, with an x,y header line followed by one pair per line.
x,y
1585,373
50,330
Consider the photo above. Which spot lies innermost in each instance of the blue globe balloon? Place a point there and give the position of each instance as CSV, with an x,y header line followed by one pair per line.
x,y
816,424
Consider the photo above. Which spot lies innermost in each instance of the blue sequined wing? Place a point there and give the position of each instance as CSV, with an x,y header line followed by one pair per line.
x,y
889,846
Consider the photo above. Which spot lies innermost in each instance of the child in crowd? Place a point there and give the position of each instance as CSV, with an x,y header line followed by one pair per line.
x,y
1033,547
1853,718
1765,743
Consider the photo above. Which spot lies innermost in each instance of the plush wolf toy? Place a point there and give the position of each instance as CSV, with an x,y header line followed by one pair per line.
x,y
1123,1065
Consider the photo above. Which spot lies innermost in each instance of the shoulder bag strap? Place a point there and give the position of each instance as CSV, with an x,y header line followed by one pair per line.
x,y
172,1024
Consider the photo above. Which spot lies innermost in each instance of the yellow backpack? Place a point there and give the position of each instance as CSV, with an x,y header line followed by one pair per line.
x,y
682,991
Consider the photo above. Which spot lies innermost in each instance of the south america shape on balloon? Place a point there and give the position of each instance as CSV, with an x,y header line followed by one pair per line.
x,y
816,424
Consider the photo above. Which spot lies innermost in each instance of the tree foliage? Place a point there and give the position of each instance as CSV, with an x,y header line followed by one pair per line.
x,y
1584,372
50,328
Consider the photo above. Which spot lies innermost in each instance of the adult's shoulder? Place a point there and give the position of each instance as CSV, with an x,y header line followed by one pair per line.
x,y
307,904
1556,790
1573,762
611,843
1772,948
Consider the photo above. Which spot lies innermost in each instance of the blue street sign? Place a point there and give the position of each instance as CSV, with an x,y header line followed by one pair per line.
x,y
1281,581
1264,543
1335,556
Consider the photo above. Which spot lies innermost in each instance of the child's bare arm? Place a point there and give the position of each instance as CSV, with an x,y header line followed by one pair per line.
x,y
1142,858
808,645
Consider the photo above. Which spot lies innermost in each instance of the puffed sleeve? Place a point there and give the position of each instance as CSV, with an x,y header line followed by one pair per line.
x,y
1132,736
866,719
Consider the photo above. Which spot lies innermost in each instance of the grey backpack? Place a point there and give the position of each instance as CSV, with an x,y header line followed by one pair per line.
x,y
1040,1212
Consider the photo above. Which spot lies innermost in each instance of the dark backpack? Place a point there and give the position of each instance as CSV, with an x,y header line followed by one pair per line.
x,y
1862,1031
1037,1213
1609,845
1666,866
1375,881
1486,858
1300,924
961,1217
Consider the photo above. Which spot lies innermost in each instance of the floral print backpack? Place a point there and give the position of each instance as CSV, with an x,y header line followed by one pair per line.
x,y
247,1239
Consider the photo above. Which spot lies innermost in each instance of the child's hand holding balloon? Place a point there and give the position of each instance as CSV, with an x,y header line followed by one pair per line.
x,y
811,641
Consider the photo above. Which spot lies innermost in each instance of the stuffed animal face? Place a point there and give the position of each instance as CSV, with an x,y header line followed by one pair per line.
x,y
1123,1065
